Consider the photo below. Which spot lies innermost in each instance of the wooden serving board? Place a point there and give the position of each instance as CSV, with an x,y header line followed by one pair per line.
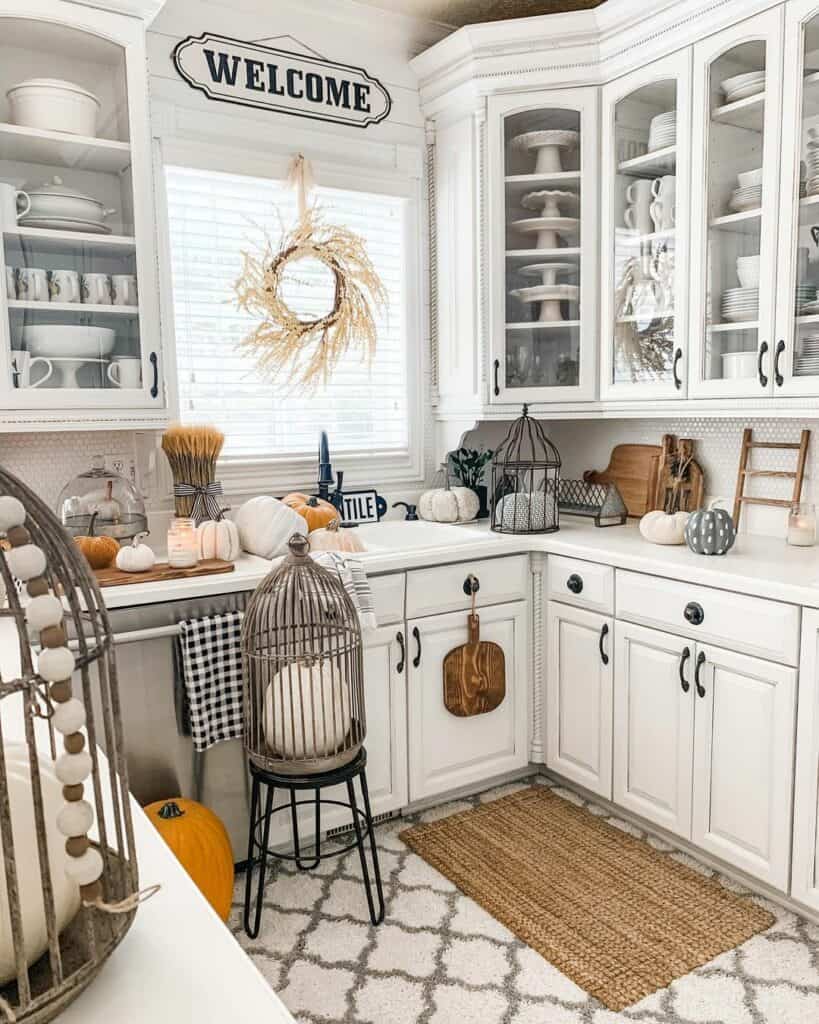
x,y
634,468
474,675
114,577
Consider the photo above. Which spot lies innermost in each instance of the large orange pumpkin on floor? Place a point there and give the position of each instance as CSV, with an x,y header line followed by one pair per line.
x,y
201,844
316,512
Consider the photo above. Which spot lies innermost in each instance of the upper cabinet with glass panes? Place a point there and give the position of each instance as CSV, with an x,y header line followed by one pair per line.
x,y
79,309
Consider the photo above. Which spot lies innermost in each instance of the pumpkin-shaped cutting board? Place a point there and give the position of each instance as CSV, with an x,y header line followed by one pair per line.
x,y
474,674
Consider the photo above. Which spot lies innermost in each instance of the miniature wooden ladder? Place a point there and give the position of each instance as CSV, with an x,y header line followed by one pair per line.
x,y
744,473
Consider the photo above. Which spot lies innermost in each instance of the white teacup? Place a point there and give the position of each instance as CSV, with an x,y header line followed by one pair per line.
x,y
638,218
124,289
13,204
665,187
662,214
96,289
125,372
32,284
64,286
22,364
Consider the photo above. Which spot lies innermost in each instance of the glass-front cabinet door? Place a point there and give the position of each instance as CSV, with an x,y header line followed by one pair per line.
x,y
645,210
735,182
542,242
78,306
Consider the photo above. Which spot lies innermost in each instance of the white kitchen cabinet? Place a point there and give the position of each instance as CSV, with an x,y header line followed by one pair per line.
x,y
743,761
447,752
654,725
805,872
579,696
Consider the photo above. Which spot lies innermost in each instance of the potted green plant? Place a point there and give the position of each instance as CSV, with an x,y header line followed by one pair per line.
x,y
468,465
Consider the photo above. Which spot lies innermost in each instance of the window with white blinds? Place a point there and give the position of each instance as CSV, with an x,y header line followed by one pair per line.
x,y
212,217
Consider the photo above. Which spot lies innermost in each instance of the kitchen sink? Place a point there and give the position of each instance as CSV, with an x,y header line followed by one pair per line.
x,y
420,536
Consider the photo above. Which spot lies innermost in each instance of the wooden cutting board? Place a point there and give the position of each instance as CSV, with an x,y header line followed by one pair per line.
x,y
474,674
114,577
634,468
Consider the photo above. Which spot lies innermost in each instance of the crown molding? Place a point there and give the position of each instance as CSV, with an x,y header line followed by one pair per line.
x,y
144,10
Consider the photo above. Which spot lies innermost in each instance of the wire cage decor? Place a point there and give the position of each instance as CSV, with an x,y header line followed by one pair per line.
x,y
525,480
303,670
68,872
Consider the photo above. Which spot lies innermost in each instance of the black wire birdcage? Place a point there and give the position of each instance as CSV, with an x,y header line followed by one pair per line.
x,y
525,479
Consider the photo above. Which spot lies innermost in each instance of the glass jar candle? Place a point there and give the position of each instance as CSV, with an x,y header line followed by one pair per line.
x,y
183,544
802,525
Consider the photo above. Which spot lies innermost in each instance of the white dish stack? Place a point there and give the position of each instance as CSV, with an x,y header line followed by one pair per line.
x,y
741,87
748,194
812,163
806,362
662,131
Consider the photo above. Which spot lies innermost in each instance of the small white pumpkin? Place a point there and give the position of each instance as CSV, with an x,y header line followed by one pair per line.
x,y
219,539
266,525
289,701
136,556
660,527
449,505
333,538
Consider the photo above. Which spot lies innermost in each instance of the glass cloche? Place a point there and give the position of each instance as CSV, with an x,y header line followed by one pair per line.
x,y
113,501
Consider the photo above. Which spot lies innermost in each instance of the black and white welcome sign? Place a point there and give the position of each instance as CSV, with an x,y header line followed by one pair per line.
x,y
291,83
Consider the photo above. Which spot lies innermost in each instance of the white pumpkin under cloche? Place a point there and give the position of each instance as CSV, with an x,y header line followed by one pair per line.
x,y
136,556
218,539
660,527
449,505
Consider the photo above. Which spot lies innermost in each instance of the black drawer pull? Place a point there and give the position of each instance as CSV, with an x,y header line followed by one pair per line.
x,y
471,585
780,348
603,634
677,358
686,654
416,632
399,636
497,370
575,583
763,380
700,663
694,614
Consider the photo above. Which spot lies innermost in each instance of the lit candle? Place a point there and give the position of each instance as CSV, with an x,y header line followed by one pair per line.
x,y
183,544
802,525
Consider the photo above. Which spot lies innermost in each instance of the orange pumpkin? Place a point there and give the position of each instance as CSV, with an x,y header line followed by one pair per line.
x,y
315,511
331,538
99,552
200,843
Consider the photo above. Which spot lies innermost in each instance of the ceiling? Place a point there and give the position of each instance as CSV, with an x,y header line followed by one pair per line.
x,y
468,12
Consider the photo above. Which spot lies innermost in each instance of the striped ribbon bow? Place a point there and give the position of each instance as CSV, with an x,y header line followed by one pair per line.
x,y
205,505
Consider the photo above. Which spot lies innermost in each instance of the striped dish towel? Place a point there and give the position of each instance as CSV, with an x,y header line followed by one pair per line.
x,y
354,580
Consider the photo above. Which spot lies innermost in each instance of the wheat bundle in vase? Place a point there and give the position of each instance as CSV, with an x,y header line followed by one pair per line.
x,y
192,453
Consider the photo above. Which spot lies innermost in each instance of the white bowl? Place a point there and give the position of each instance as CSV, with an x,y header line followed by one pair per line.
x,y
68,341
748,271
736,365
54,105
748,179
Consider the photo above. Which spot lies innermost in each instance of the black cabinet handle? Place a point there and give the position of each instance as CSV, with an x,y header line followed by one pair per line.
x,y
575,583
497,370
416,632
603,634
686,654
399,636
763,380
700,663
780,348
677,358
471,585
152,359
694,613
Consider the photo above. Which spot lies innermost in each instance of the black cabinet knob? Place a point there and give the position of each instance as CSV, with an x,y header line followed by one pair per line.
x,y
575,583
471,585
694,614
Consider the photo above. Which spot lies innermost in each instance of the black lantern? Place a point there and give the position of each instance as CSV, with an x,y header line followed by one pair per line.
x,y
525,478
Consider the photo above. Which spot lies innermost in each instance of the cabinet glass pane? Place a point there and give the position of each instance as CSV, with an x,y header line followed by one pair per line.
x,y
66,210
542,153
645,211
734,210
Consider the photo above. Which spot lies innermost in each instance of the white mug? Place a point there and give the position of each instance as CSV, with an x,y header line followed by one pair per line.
x,y
665,187
64,286
662,213
638,218
22,364
125,372
13,204
124,289
32,284
11,283
96,289
639,192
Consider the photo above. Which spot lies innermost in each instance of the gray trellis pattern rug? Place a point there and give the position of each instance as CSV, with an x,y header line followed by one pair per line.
x,y
439,958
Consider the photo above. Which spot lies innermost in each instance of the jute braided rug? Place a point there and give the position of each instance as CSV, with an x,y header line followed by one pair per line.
x,y
606,909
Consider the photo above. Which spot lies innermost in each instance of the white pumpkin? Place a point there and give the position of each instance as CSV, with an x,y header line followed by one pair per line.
x,y
266,525
522,512
660,527
310,689
449,505
219,539
136,556
66,891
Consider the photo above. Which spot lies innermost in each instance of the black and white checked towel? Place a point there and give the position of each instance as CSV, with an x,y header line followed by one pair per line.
x,y
211,661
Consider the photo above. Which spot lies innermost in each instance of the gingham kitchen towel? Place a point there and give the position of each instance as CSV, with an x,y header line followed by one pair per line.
x,y
354,580
211,662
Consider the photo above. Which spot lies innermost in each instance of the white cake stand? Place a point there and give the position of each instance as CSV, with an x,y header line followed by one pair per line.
x,y
66,370
548,202
547,229
549,297
548,146
548,272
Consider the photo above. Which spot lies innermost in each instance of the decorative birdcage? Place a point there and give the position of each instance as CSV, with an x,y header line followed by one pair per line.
x,y
68,873
303,670
525,480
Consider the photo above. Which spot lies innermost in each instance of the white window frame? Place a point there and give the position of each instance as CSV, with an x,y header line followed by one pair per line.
x,y
339,162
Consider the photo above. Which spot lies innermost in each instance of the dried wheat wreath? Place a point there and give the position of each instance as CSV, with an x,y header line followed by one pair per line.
x,y
304,352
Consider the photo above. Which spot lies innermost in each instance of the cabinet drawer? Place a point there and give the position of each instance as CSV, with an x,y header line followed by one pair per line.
x,y
768,629
431,591
585,584
388,597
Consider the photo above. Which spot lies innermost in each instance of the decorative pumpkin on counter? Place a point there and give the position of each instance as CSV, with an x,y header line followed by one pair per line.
x,y
316,512
449,505
710,531
292,728
521,512
136,556
99,552
200,843
660,527
29,882
266,525
218,538
332,538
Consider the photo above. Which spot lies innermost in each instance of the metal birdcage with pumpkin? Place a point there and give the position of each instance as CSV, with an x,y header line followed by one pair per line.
x,y
525,480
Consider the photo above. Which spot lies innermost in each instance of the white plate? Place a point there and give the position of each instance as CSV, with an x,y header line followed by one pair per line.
x,y
534,224
537,200
742,205
538,269
752,89
92,227
738,318
542,292
737,81
534,140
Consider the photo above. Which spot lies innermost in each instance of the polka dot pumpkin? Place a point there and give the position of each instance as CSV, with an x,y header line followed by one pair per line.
x,y
710,531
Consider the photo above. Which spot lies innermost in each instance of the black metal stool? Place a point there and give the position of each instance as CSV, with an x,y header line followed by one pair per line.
x,y
362,823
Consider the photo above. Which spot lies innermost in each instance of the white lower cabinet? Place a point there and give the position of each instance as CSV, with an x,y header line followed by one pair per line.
x,y
805,873
579,696
654,725
445,751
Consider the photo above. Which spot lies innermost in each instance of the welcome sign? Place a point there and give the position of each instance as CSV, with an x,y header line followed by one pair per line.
x,y
290,83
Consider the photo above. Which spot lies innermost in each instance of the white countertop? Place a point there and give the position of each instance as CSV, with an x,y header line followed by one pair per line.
x,y
759,566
